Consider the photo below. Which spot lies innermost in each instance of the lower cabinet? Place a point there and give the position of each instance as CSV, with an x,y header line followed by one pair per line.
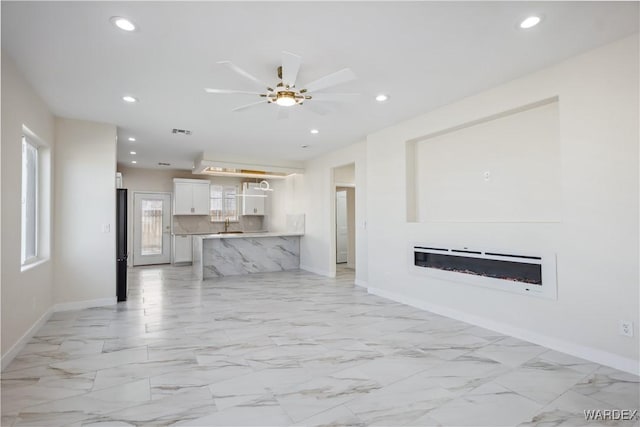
x,y
182,248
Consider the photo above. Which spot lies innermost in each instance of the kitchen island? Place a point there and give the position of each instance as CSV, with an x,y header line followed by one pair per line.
x,y
219,255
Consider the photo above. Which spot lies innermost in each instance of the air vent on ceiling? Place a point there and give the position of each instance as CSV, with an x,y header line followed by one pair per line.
x,y
181,131
164,164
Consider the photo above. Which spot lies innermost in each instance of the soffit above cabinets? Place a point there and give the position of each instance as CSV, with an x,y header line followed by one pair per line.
x,y
246,167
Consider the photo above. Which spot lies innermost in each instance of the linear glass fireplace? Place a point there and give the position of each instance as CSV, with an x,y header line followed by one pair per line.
x,y
496,269
507,270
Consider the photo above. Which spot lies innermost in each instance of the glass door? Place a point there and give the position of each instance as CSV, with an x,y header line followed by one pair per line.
x,y
151,228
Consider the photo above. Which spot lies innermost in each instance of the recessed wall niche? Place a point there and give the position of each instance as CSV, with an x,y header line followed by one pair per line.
x,y
503,168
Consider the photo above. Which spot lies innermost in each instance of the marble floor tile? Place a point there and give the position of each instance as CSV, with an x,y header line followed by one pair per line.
x,y
463,374
487,405
176,382
338,416
101,361
304,400
85,406
290,348
259,412
179,407
568,411
389,370
568,361
238,391
400,403
510,351
134,371
615,388
540,381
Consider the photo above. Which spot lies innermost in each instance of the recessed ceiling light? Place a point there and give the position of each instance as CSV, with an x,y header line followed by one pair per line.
x,y
132,152
129,98
531,21
123,23
314,131
132,139
382,97
134,162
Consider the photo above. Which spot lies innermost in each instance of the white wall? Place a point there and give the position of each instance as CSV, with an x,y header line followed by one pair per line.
x,y
345,175
85,168
27,295
316,195
282,202
596,240
520,155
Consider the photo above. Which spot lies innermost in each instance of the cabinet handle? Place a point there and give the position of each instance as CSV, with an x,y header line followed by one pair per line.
x,y
192,210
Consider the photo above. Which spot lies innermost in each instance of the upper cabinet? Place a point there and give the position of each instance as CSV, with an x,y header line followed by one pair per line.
x,y
252,199
190,196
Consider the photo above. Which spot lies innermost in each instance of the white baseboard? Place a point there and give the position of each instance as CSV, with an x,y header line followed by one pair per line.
x,y
584,352
317,271
81,305
24,339
361,283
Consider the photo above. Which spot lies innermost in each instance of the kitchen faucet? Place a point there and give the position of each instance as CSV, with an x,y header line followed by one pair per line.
x,y
226,225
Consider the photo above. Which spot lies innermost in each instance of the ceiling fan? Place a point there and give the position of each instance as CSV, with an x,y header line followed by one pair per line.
x,y
285,93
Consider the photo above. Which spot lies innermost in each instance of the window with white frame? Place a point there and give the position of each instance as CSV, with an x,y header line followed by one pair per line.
x,y
224,203
30,190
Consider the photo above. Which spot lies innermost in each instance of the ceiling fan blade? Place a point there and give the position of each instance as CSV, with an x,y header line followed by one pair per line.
x,y
283,113
342,76
338,97
290,67
231,91
243,73
244,107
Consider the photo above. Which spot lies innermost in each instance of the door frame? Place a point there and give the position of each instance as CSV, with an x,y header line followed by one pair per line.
x,y
133,222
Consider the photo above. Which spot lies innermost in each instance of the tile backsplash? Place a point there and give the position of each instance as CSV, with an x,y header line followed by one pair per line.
x,y
196,224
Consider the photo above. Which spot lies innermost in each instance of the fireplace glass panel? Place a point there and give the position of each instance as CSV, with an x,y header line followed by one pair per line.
x,y
497,269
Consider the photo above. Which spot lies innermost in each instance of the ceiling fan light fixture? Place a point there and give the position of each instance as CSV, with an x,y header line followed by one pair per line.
x,y
286,98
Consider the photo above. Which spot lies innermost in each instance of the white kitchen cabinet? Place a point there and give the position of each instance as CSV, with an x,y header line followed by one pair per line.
x,y
190,196
182,248
252,199
201,198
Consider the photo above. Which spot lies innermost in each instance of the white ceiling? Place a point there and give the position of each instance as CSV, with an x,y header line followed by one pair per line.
x,y
423,54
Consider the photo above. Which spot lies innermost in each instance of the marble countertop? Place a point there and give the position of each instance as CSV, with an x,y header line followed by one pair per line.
x,y
247,235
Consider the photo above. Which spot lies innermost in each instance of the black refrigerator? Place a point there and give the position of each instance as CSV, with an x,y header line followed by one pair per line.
x,y
121,244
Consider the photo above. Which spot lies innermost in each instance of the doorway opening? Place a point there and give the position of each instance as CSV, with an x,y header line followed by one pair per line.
x,y
344,218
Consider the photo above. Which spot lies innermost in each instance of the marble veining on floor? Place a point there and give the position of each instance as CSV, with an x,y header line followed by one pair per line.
x,y
291,348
